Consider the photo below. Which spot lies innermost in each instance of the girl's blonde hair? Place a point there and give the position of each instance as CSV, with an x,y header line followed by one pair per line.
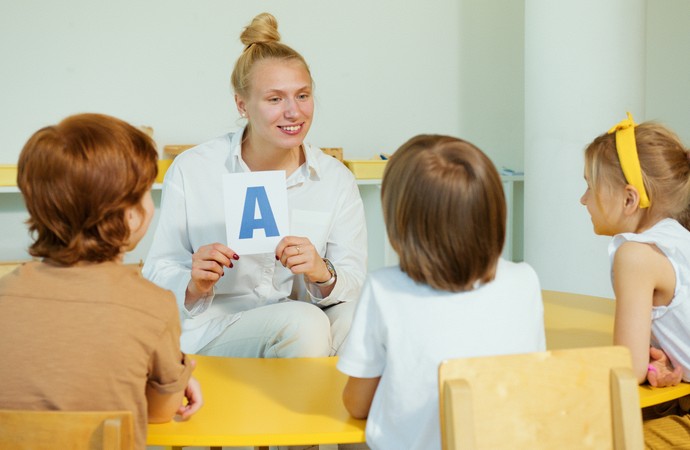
x,y
665,165
262,41
445,212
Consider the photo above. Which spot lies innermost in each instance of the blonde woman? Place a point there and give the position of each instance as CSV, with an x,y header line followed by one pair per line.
x,y
296,301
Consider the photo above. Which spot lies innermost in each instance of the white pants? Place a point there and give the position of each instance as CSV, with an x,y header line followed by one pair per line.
x,y
287,329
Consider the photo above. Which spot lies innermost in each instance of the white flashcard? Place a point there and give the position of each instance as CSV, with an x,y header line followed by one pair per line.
x,y
256,211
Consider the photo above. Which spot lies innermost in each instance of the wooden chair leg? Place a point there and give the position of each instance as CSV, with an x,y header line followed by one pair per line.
x,y
111,434
457,424
627,417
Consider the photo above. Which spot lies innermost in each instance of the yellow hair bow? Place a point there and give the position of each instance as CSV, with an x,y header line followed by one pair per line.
x,y
627,155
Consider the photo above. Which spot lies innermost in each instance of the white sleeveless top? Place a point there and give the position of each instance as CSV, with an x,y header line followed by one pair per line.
x,y
670,324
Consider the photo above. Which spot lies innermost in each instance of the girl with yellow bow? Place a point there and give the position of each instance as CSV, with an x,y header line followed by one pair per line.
x,y
638,192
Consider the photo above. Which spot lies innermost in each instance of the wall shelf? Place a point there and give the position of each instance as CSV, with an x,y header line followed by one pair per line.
x,y
15,238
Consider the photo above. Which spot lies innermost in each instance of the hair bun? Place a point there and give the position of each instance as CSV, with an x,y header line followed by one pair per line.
x,y
262,29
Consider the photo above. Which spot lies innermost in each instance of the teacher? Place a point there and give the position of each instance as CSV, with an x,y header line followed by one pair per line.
x,y
300,300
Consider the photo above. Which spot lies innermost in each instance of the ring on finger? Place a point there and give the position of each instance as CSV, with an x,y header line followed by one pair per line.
x,y
299,250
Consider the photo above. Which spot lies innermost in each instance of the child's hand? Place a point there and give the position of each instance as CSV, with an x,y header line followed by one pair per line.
x,y
194,401
661,372
193,395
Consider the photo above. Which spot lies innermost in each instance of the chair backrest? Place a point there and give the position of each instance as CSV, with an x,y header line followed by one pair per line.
x,y
76,430
576,398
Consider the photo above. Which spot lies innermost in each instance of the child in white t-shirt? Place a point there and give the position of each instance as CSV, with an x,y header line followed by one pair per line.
x,y
638,192
451,296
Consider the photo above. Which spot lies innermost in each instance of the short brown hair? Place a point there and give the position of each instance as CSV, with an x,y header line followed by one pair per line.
x,y
77,179
445,212
665,169
262,41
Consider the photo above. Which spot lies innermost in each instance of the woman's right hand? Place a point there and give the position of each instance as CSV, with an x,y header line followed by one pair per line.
x,y
208,265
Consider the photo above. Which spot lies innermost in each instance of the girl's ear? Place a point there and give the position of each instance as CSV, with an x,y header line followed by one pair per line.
x,y
631,200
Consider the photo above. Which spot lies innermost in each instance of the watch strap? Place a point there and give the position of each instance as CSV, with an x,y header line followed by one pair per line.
x,y
331,270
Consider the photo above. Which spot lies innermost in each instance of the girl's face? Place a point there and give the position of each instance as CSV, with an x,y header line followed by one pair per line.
x,y
605,208
279,105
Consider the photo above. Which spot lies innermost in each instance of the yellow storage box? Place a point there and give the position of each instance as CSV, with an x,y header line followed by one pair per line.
x,y
366,169
163,166
8,175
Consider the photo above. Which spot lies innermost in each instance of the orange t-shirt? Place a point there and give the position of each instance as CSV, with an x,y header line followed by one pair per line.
x,y
88,337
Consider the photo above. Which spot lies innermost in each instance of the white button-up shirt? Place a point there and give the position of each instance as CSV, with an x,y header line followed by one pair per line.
x,y
324,205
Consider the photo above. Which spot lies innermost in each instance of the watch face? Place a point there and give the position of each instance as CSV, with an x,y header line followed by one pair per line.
x,y
331,270
330,267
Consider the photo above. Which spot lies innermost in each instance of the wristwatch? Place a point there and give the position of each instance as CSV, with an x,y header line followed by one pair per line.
x,y
331,270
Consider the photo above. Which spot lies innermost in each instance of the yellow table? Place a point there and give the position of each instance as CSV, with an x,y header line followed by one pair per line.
x,y
576,320
262,402
653,396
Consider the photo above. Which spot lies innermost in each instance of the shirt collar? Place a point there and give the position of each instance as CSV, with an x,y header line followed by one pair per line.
x,y
309,170
235,156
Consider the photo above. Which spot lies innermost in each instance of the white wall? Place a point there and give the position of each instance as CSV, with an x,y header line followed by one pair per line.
x,y
384,70
582,265
492,78
567,104
668,65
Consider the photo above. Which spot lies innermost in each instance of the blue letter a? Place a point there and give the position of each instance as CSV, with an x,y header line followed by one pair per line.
x,y
257,196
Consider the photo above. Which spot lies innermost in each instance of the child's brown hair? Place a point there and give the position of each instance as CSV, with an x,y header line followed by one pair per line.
x,y
77,179
445,212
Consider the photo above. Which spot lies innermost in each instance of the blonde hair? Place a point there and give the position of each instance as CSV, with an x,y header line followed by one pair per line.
x,y
445,212
665,165
262,41
78,178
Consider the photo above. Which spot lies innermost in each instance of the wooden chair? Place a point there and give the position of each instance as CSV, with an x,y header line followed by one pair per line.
x,y
76,430
575,398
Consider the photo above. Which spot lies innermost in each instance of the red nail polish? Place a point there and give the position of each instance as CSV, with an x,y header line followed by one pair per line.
x,y
231,266
277,258
235,256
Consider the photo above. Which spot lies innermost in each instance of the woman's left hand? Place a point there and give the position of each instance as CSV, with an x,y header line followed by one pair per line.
x,y
299,255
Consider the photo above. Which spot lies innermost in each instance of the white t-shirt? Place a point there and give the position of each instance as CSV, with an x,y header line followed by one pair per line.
x,y
324,205
671,323
403,330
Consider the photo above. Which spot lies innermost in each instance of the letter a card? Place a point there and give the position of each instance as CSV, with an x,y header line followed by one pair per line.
x,y
256,211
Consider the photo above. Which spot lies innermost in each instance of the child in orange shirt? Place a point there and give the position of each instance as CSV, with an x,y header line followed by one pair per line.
x,y
82,331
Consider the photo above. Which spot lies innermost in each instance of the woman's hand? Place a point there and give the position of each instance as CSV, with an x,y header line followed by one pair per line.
x,y
208,265
661,372
299,255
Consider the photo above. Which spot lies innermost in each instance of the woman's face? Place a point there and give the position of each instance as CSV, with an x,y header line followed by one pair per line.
x,y
279,105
